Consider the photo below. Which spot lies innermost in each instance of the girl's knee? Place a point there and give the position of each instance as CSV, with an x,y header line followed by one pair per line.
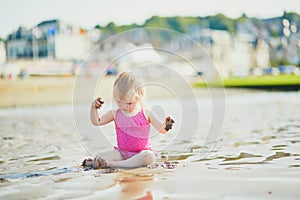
x,y
148,157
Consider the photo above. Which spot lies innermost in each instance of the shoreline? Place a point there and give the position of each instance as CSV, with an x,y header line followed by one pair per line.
x,y
36,91
56,90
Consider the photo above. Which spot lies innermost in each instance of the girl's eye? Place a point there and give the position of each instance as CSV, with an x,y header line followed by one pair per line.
x,y
129,103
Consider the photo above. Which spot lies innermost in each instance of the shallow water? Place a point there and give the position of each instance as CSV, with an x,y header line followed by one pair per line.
x,y
40,147
261,131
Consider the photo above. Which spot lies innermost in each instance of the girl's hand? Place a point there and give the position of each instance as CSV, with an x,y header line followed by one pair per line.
x,y
169,123
97,103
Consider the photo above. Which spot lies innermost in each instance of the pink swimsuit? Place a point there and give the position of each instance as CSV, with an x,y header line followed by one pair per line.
x,y
132,133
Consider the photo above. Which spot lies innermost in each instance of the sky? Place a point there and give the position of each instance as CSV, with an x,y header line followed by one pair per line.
x,y
88,13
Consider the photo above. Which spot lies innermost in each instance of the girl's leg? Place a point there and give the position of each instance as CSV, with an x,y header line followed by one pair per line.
x,y
113,155
103,159
144,158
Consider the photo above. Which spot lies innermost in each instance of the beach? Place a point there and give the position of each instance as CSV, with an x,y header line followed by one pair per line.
x,y
36,91
255,156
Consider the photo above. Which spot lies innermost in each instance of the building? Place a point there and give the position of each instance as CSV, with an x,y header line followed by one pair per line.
x,y
234,54
261,55
51,39
2,53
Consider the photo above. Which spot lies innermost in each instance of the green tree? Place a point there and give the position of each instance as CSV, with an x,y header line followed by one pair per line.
x,y
156,21
110,28
97,26
174,23
221,22
126,27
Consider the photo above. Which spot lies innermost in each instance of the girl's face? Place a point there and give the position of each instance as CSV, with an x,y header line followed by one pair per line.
x,y
127,105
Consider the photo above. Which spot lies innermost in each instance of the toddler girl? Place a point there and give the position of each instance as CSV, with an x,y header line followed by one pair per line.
x,y
132,125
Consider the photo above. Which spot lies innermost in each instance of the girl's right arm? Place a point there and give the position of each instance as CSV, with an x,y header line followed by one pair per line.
x,y
94,115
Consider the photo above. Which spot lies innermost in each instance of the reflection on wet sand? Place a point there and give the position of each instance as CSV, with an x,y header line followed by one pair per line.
x,y
135,187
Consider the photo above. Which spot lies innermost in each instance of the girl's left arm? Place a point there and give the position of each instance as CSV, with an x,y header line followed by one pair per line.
x,y
158,125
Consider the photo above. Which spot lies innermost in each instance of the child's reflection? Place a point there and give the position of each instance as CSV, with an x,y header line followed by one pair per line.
x,y
135,187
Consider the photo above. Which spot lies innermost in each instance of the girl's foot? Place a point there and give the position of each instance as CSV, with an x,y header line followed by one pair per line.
x,y
96,163
89,162
99,163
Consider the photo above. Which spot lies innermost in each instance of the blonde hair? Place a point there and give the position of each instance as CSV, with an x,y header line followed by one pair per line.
x,y
127,86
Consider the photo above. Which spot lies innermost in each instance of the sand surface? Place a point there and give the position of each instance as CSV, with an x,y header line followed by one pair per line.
x,y
36,91
257,156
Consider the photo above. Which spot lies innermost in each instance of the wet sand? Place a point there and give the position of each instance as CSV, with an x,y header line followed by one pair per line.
x,y
256,157
53,90
36,91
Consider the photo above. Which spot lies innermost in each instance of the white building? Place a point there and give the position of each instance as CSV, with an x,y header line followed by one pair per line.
x,y
233,54
242,54
261,55
51,39
222,51
2,53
